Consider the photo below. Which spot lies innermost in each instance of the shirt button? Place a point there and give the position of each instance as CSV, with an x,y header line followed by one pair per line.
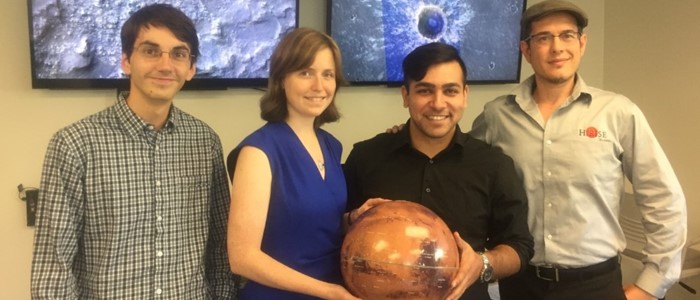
x,y
157,182
159,253
549,204
159,218
427,190
549,173
549,236
159,291
431,162
549,142
157,148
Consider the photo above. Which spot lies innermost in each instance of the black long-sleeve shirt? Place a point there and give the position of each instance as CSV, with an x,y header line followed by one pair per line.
x,y
470,185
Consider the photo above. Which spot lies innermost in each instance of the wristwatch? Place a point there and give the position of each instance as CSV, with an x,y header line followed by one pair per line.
x,y
487,271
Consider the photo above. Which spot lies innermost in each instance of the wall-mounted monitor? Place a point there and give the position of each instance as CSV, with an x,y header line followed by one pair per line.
x,y
375,35
75,44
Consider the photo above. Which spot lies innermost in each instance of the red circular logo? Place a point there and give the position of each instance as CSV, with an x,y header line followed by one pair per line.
x,y
591,132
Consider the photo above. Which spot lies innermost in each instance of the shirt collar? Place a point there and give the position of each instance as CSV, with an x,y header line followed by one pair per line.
x,y
403,139
523,92
135,125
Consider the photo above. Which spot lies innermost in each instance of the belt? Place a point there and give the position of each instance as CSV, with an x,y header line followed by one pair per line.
x,y
557,274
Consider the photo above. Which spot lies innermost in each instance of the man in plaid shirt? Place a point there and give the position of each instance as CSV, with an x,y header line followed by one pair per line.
x,y
134,199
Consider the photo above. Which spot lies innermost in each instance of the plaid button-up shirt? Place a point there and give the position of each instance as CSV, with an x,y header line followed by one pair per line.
x,y
128,212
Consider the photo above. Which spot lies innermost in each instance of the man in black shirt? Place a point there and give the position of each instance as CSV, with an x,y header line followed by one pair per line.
x,y
471,186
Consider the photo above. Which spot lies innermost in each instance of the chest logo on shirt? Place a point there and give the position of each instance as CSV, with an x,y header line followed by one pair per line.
x,y
592,132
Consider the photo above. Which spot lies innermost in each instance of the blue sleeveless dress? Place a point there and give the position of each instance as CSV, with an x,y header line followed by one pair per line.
x,y
304,222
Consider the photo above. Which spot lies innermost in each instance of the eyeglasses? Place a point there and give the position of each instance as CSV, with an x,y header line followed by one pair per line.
x,y
151,52
546,38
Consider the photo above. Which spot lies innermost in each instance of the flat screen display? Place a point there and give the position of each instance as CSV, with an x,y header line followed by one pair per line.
x,y
375,36
76,43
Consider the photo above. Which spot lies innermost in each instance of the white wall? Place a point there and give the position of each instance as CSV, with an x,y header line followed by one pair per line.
x,y
650,53
651,56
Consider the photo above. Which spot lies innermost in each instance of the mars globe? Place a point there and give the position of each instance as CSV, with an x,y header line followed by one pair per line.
x,y
399,250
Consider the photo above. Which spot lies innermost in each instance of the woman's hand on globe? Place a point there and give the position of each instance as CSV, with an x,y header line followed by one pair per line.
x,y
340,293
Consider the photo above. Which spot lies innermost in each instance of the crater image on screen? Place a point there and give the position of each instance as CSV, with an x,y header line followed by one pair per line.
x,y
375,36
79,39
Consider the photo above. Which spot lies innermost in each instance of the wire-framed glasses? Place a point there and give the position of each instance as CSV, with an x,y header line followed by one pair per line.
x,y
152,52
546,38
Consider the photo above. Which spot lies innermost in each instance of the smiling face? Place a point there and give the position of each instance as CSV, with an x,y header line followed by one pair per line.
x,y
555,62
436,103
310,91
156,80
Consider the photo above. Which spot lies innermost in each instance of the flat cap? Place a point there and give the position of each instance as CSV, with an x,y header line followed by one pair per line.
x,y
547,7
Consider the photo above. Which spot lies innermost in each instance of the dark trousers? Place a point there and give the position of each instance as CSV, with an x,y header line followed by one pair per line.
x,y
587,285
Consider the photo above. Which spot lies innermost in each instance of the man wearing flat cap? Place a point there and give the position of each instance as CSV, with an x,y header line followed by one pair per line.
x,y
573,146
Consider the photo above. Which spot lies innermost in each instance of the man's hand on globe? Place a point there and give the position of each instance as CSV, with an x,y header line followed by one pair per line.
x,y
470,265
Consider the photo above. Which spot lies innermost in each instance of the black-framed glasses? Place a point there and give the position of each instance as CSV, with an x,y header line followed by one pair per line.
x,y
546,38
152,52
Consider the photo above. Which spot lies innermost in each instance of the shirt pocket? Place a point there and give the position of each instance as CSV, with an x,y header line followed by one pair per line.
x,y
192,194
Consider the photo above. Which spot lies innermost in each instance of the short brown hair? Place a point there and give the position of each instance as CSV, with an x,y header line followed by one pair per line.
x,y
297,51
160,15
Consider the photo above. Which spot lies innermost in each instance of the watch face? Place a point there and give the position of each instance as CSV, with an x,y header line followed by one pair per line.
x,y
487,275
487,271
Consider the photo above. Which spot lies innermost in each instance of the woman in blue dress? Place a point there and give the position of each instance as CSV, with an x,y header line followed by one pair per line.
x,y
288,194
